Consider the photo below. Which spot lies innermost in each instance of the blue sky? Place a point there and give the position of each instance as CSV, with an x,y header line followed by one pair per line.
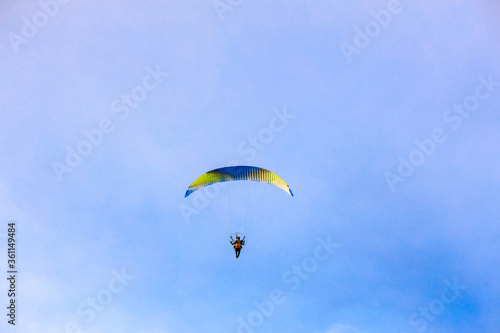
x,y
382,235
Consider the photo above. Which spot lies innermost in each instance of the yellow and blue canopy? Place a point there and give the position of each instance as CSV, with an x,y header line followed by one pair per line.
x,y
240,172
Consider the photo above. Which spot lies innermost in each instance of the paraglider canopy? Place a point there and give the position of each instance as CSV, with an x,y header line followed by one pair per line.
x,y
240,172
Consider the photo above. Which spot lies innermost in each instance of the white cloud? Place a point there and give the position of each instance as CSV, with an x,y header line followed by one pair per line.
x,y
342,328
